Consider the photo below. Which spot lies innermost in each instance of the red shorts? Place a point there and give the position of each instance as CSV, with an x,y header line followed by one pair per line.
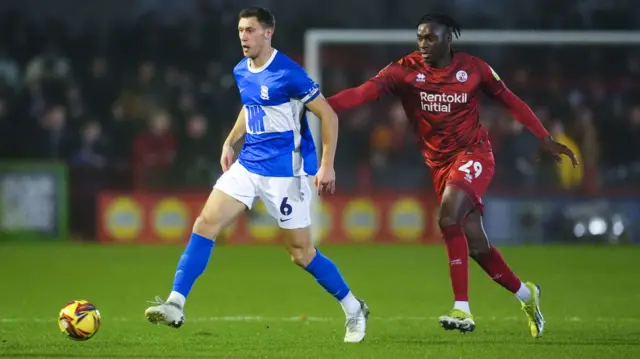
x,y
471,172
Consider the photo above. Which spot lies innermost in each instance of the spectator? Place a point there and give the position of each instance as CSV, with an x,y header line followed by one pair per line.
x,y
49,64
92,149
53,140
9,70
75,103
154,152
139,98
516,159
197,159
100,88
587,139
569,177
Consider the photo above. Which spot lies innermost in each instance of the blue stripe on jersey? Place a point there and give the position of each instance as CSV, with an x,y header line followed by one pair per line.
x,y
268,154
279,142
308,148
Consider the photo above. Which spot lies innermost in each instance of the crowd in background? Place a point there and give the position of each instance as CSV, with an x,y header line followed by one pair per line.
x,y
146,105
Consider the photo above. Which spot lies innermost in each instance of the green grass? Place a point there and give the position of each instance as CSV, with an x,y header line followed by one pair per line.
x,y
253,303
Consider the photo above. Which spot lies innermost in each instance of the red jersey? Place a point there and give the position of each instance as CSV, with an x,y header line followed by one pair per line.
x,y
442,104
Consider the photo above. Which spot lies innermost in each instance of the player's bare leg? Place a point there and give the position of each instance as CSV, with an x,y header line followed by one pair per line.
x,y
218,213
304,254
455,206
491,260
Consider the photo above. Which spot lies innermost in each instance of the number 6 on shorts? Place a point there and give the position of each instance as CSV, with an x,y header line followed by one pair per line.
x,y
285,208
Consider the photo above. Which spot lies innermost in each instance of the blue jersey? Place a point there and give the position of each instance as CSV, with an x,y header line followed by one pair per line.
x,y
278,141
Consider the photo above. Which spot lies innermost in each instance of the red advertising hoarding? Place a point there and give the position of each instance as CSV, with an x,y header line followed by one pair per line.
x,y
156,219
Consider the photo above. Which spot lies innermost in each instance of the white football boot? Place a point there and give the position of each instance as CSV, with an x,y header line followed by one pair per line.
x,y
165,313
357,325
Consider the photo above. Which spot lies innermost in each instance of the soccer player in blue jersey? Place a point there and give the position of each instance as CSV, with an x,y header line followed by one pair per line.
x,y
274,164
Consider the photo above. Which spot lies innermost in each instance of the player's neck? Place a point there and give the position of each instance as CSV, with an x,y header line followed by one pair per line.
x,y
262,58
443,62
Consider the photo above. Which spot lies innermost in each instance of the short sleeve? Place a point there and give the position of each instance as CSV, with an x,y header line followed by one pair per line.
x,y
300,86
491,84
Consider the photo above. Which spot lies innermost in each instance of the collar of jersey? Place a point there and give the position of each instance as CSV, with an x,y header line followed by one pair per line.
x,y
453,63
263,67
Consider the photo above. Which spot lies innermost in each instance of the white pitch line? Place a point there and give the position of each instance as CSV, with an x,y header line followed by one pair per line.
x,y
301,318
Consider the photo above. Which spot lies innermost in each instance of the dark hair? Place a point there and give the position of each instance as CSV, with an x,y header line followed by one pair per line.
x,y
442,19
264,16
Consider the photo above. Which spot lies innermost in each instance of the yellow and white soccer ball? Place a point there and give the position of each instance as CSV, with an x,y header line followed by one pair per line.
x,y
79,320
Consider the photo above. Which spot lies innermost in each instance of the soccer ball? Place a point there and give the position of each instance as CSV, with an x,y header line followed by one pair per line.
x,y
79,320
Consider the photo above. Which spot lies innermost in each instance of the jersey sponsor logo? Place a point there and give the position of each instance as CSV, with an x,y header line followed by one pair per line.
x,y
420,78
441,102
462,76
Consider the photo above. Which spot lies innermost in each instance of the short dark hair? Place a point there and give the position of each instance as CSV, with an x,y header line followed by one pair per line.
x,y
264,16
442,19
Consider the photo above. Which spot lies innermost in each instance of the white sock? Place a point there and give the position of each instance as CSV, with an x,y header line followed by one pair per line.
x,y
524,293
463,306
177,298
350,305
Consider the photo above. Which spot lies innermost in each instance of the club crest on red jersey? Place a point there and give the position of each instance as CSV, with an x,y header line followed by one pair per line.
x,y
462,76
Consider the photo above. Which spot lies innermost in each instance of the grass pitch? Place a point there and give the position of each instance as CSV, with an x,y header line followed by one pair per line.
x,y
253,303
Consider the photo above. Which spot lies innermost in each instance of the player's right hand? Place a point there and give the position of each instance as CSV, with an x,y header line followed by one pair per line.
x,y
226,160
325,180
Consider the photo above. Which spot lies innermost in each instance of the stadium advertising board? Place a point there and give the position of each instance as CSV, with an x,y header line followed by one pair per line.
x,y
562,219
33,201
156,219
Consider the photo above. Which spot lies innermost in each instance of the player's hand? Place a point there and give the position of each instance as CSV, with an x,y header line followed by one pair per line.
x,y
226,160
325,180
556,149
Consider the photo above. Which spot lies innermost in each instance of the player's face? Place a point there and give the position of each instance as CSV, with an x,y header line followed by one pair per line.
x,y
433,41
253,36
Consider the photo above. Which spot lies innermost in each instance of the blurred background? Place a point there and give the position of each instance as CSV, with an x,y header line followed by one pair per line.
x,y
112,115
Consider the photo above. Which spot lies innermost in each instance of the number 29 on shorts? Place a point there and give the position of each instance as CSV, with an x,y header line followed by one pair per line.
x,y
471,167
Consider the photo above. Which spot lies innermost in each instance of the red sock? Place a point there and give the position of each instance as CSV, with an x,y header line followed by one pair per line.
x,y
497,268
458,253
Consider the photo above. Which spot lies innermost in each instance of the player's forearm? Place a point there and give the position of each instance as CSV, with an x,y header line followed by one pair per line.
x,y
354,97
329,126
522,113
238,130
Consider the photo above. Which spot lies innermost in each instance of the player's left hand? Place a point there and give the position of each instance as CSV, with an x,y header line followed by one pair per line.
x,y
325,180
556,149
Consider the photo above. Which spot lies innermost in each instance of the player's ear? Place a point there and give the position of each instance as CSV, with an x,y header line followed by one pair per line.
x,y
269,32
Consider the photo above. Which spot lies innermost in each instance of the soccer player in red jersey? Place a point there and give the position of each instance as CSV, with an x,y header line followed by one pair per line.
x,y
440,92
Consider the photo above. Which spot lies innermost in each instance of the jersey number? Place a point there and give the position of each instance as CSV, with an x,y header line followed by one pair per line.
x,y
466,168
255,119
285,208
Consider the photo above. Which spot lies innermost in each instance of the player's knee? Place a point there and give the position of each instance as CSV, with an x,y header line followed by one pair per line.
x,y
206,227
302,255
447,217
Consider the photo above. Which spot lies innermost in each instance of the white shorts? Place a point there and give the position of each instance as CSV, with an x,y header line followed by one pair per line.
x,y
288,199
